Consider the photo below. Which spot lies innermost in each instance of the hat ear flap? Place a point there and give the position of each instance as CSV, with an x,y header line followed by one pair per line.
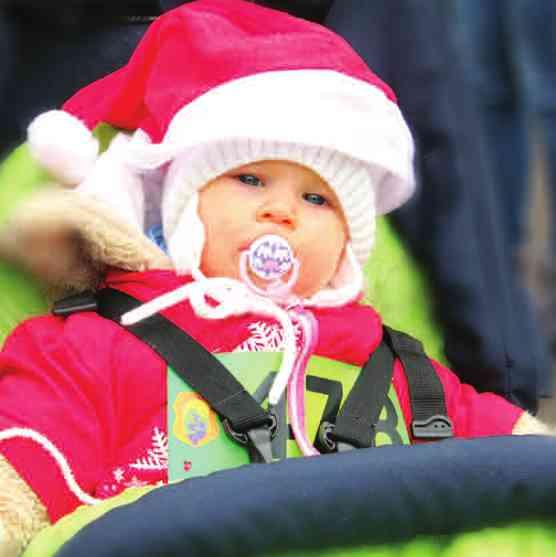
x,y
346,286
186,242
113,182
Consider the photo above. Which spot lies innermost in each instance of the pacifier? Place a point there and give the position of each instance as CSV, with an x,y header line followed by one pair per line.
x,y
270,258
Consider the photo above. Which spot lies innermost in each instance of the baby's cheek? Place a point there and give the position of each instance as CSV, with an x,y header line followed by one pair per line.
x,y
314,275
218,259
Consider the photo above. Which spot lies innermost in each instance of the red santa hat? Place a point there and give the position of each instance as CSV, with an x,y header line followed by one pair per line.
x,y
215,84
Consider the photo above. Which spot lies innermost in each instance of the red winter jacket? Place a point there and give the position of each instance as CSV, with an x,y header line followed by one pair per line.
x,y
98,394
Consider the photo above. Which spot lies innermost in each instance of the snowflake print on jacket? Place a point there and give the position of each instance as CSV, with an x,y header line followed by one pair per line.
x,y
266,337
141,472
157,457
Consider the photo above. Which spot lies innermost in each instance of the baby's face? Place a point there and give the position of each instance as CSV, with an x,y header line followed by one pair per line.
x,y
273,197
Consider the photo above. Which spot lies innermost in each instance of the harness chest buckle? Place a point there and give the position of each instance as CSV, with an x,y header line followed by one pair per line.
x,y
242,437
327,441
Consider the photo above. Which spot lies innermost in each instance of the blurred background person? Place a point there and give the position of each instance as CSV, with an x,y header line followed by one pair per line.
x,y
511,55
51,49
454,223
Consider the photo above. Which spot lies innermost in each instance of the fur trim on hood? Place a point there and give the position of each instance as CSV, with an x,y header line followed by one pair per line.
x,y
68,240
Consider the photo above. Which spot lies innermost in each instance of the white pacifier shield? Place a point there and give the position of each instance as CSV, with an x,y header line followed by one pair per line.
x,y
270,257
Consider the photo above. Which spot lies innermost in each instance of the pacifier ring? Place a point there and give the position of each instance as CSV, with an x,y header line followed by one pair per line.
x,y
270,257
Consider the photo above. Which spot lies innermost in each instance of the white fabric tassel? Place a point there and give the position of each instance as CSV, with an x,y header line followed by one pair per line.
x,y
113,182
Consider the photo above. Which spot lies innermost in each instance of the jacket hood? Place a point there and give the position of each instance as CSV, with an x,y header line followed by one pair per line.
x,y
68,241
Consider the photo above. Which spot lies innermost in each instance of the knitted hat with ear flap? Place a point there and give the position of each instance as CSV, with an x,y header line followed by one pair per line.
x,y
216,84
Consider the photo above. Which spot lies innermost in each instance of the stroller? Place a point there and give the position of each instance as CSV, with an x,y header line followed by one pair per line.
x,y
445,499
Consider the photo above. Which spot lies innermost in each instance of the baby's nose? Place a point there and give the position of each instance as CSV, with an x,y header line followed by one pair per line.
x,y
277,212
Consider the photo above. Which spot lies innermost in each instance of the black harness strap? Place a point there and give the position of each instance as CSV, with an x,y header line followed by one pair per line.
x,y
244,418
360,412
356,422
202,371
430,419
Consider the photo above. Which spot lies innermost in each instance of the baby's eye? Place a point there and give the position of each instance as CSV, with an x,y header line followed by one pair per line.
x,y
250,180
315,198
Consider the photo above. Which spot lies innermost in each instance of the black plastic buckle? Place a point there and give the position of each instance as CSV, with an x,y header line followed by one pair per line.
x,y
258,439
242,437
327,441
85,301
435,427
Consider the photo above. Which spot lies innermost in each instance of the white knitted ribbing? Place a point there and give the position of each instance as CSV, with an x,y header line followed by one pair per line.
x,y
353,182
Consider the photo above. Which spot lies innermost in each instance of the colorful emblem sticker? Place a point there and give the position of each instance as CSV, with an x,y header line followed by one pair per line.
x,y
195,422
270,257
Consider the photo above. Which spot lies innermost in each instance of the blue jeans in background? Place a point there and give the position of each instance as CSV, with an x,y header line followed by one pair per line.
x,y
511,48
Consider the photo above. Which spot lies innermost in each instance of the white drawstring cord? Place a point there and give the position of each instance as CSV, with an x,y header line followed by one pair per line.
x,y
233,298
145,311
56,454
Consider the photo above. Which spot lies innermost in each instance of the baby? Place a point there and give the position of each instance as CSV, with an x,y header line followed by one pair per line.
x,y
265,147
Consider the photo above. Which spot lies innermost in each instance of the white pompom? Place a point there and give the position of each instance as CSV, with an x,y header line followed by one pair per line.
x,y
63,145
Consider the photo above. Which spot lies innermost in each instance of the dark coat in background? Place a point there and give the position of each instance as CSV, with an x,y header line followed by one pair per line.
x,y
52,49
451,225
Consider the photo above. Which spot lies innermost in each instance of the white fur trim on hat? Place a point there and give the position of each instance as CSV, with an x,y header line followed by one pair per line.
x,y
63,145
311,108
